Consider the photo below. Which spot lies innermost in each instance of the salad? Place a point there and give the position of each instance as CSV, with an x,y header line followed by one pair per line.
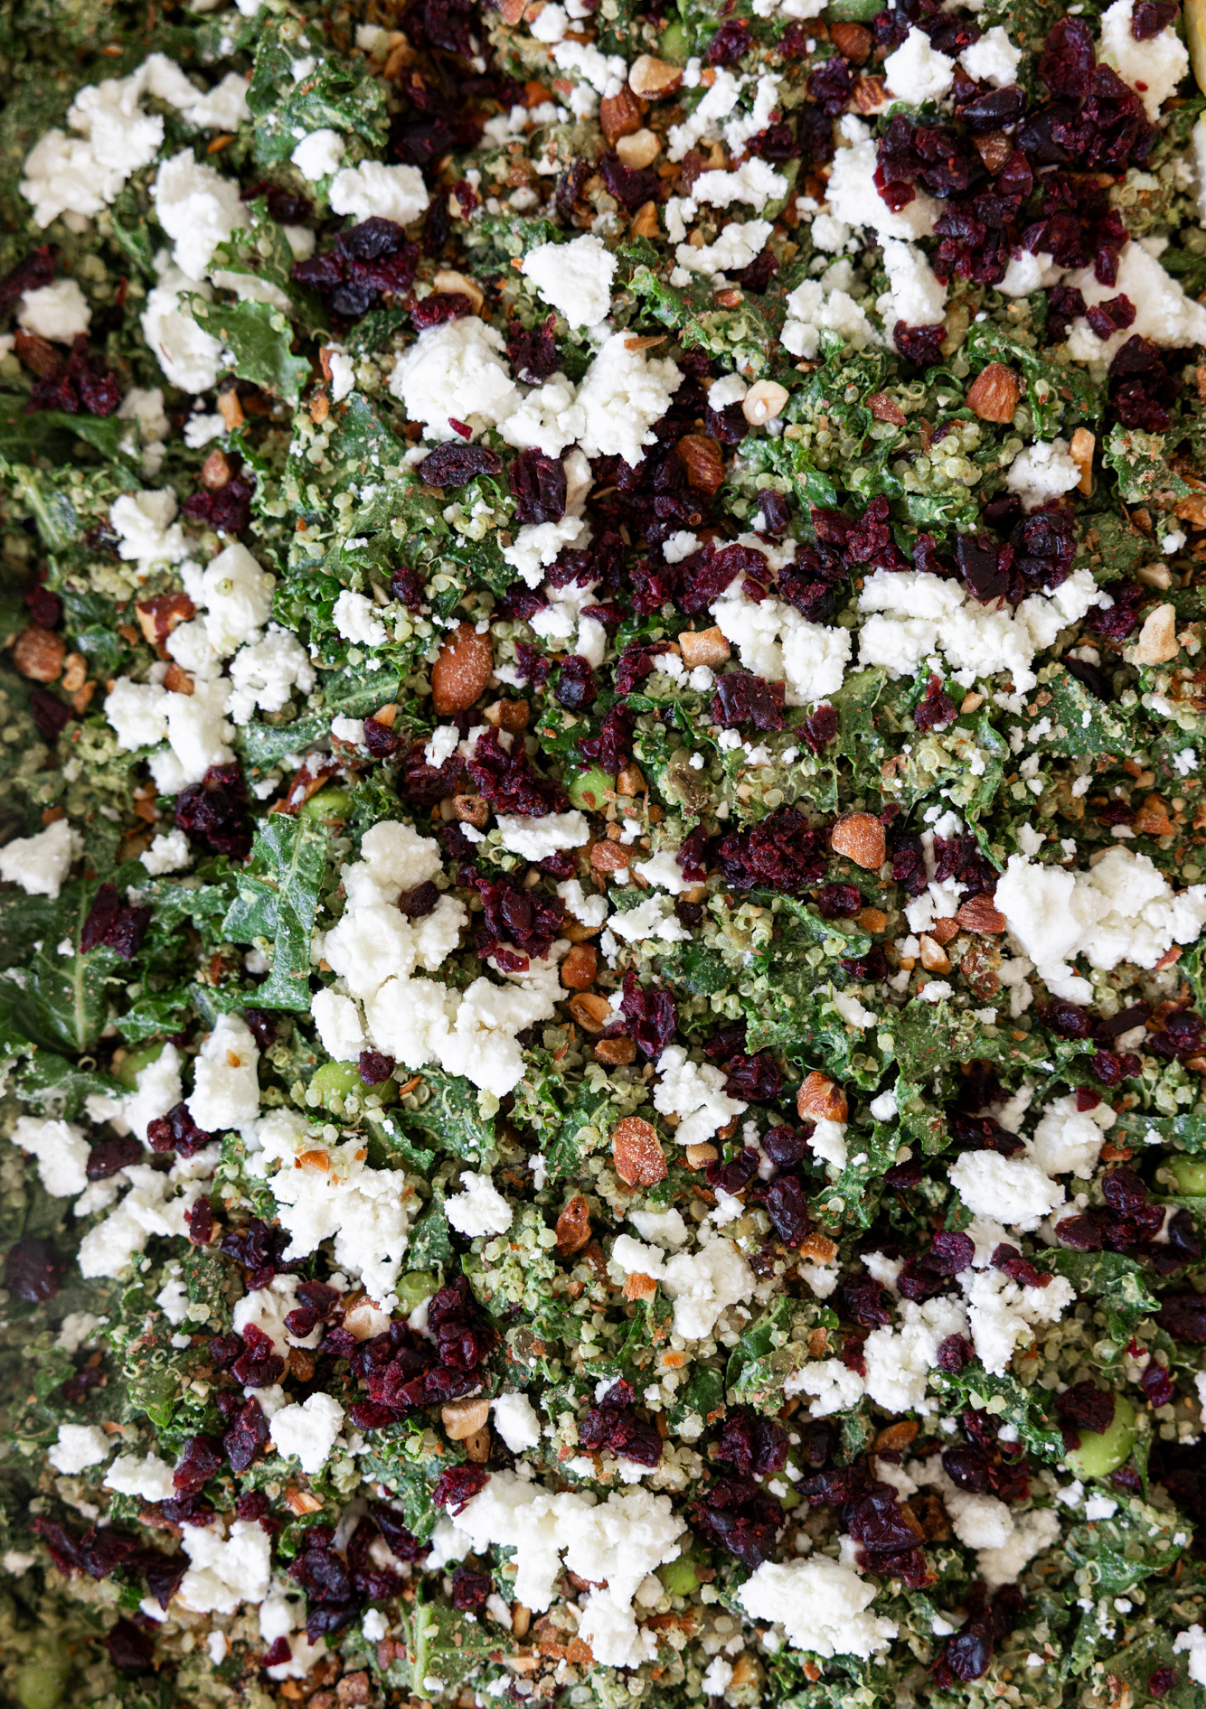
x,y
602,876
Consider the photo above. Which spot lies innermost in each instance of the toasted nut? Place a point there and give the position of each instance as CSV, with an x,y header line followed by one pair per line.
x,y
75,672
230,409
971,703
818,1247
177,680
591,1011
36,354
637,1153
703,647
353,1691
452,284
300,1501
639,150
631,781
579,968
644,222
1081,452
933,957
942,931
609,857
981,914
157,617
573,1227
638,1287
1155,575
471,809
994,150
364,1319
509,714
871,919
301,1364
386,714
521,1620
870,94
615,1052
38,654
216,471
620,115
81,697
320,408
700,1155
1152,819
1157,642
461,1418
1192,509
821,1099
860,837
1195,35
477,1446
853,41
765,400
653,78
994,393
465,665
897,1436
703,461
884,408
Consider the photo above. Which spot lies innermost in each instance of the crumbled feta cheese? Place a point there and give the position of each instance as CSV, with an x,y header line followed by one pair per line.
x,y
899,1362
57,311
516,1420
149,1478
854,197
622,394
695,1093
833,1386
1164,314
1193,1644
455,372
774,641
1153,66
318,155
78,1447
265,672
479,1208
188,355
575,278
198,208
40,863
147,533
226,1089
61,1150
1032,1533
1011,1188
373,191
993,59
339,1026
308,1431
536,839
225,1571
915,295
1042,471
916,71
1069,1139
823,1606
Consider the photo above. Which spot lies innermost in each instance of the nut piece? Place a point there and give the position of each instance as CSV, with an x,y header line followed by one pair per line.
x,y
471,810
38,653
449,283
933,957
157,617
1157,642
573,1227
884,408
638,150
1155,575
1081,452
616,1052
872,920
994,149
461,672
763,402
644,222
703,461
630,780
981,914
620,115
579,967
860,837
821,1099
652,78
853,41
703,647
216,471
508,714
994,393
639,1287
462,1418
591,1011
609,857
477,1446
699,1155
637,1153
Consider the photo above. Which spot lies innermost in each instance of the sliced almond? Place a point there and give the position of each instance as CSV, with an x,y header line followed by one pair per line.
x,y
462,1418
644,222
1157,642
853,41
1081,452
639,1287
616,1052
609,857
933,957
1158,576
872,920
637,1152
981,914
994,393
698,1156
884,408
821,1099
860,837
653,78
591,1011
573,1226
703,461
630,780
704,647
465,665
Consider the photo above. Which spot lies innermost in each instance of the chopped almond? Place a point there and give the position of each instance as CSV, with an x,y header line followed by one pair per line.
x,y
38,654
703,461
462,1418
860,837
1157,642
573,1226
637,1153
821,1099
616,1052
884,408
704,647
981,914
591,1011
579,968
1081,452
994,393
465,665
653,78
620,116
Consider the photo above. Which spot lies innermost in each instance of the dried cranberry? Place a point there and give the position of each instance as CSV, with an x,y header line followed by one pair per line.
x,y
1183,1317
820,728
199,1220
177,1131
215,810
650,1013
470,1590
33,1269
457,1485
533,355
731,40
110,1155
935,710
786,1205
1160,1683
950,1254
452,465
735,1515
785,1146
1156,1385
741,697
755,1445
508,781
1087,1407
257,1367
758,1079
966,1655
247,1436
374,1067
630,186
538,484
576,689
114,924
782,852
202,1457
1151,16
954,1353
131,1650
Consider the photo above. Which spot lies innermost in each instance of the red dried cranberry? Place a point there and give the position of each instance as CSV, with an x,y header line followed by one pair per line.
x,y
731,40
575,689
820,728
533,355
381,740
921,345
1087,1407
954,1353
862,1299
782,852
177,1131
109,922
374,1067
966,1655
1156,1385
785,1146
935,710
741,697
215,810
538,484
1183,1316
630,186
1068,59
202,1457
110,1155
758,1079
755,1445
440,307
257,1367
33,1269
650,1013
130,1649
509,783
950,1254
470,1590
1151,16
1160,1683
735,1515
199,1219
452,465
457,1485
786,1205
1113,315
247,1436
831,86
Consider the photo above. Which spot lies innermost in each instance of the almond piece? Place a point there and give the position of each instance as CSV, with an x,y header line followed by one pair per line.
x,y
471,810
462,1418
981,914
942,931
639,1287
230,409
765,400
38,654
508,714
579,968
703,461
216,471
853,41
477,1449
884,408
1157,642
591,1011
637,1152
994,149
1081,451
573,1226
177,680
860,837
994,393
644,223
870,94
609,857
821,1099
75,672
818,1247
630,780
449,283
616,1052
699,1155
703,647
933,957
653,78
1155,575
872,920
897,1436
620,115
461,672
157,617
639,150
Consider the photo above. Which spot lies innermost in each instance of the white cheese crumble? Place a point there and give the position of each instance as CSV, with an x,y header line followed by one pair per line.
x,y
823,1606
226,1090
78,1447
373,191
308,1432
455,372
479,1208
39,864
916,71
574,278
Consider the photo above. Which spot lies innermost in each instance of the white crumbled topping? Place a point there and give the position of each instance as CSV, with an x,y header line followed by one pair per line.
x,y
146,529
536,839
146,1209
1193,1644
1164,313
993,59
516,1420
1011,1188
78,1447
455,372
61,1150
755,181
1122,909
264,673
1042,471
225,1571
308,1432
479,1207
663,869
899,1361
622,394
319,154
355,617
57,311
653,918
339,1025
663,1228
150,1478
574,278
695,1093
587,910
188,355
916,71
914,296
774,641
822,1605
1153,67
834,1387
702,1284
198,208
1068,1139
226,1089
1002,1312
739,244
39,864
373,191
1032,1533
237,595
169,852
537,544
854,199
